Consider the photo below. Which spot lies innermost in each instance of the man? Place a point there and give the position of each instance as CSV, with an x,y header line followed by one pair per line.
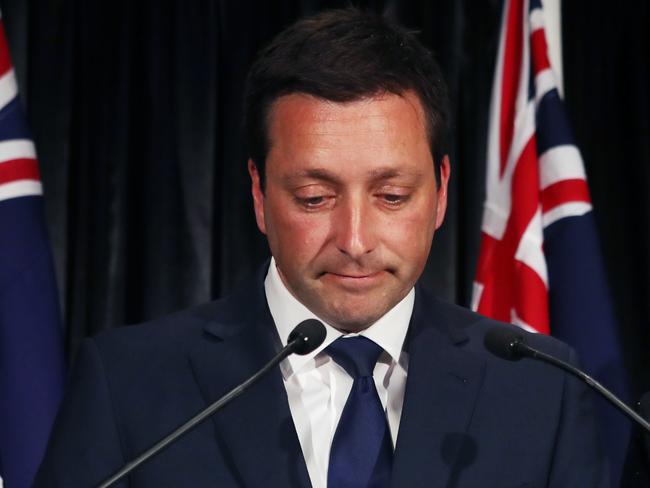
x,y
346,121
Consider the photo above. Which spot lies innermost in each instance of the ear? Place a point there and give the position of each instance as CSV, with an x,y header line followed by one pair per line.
x,y
258,196
445,170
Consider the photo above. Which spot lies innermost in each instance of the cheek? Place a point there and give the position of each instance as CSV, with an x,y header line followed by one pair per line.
x,y
410,233
297,235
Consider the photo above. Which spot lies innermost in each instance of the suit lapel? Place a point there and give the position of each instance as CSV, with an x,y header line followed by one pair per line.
x,y
255,431
442,388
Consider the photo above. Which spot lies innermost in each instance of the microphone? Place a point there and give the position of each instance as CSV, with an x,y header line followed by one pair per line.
x,y
508,344
304,338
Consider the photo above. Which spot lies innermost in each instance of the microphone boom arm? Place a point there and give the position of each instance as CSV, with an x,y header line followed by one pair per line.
x,y
525,350
290,348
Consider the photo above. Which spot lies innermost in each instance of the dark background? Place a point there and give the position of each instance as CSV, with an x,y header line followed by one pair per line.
x,y
135,108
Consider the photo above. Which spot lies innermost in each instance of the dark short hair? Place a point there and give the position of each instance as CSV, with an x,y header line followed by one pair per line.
x,y
342,56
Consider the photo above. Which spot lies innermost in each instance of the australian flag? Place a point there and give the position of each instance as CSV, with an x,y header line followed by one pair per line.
x,y
31,345
540,264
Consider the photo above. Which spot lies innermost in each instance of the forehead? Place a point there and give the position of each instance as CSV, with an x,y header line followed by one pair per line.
x,y
383,130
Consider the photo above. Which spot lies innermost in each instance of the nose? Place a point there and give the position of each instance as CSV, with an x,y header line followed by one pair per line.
x,y
354,228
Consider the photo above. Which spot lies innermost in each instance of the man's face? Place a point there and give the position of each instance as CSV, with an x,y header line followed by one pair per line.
x,y
350,204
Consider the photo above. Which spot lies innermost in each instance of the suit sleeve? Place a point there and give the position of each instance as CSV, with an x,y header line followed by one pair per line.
x,y
578,459
85,446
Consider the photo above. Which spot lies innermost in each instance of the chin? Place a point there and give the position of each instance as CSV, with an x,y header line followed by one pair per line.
x,y
353,322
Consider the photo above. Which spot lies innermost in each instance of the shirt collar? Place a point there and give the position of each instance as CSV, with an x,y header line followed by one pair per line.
x,y
388,332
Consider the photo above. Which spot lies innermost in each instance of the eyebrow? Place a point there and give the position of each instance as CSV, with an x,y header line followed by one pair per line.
x,y
313,173
388,173
377,174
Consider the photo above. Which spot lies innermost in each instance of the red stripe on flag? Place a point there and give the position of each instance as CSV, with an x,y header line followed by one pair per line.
x,y
525,196
510,285
512,55
525,193
494,272
532,299
5,58
497,267
19,169
539,51
565,191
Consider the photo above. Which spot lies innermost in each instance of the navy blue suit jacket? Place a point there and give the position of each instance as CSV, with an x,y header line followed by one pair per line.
x,y
469,419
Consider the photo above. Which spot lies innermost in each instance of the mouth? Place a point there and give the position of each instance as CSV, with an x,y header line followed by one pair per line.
x,y
353,280
353,276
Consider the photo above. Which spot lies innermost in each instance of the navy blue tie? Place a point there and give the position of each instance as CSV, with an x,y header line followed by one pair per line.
x,y
362,450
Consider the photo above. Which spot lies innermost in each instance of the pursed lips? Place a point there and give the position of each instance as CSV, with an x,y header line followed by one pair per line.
x,y
353,279
354,276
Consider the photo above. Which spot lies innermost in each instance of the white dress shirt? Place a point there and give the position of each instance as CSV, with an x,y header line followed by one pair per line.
x,y
317,387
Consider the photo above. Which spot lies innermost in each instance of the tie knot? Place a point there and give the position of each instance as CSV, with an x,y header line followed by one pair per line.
x,y
356,355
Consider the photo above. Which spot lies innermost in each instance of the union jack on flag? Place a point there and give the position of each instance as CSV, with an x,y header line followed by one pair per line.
x,y
540,265
19,174
31,346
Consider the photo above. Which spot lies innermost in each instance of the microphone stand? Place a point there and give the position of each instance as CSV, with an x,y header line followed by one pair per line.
x,y
524,349
290,348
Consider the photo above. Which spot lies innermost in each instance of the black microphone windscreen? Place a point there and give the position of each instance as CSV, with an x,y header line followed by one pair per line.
x,y
501,341
310,334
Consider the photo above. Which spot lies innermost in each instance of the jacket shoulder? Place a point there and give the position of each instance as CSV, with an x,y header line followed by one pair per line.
x,y
469,329
176,332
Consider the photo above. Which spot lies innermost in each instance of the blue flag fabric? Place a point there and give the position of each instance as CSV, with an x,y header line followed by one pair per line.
x,y
31,345
580,304
582,316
